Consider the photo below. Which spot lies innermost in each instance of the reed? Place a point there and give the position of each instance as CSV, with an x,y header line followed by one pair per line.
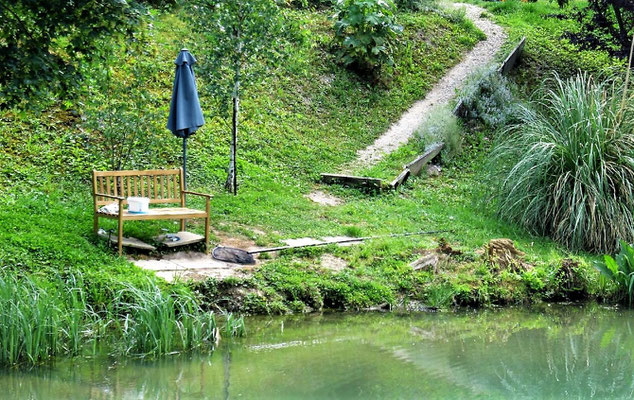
x,y
37,322
42,320
156,322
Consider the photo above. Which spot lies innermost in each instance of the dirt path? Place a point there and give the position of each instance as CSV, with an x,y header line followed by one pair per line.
x,y
400,132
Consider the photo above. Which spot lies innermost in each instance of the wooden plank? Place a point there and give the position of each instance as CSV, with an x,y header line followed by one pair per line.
x,y
127,241
151,172
400,179
417,165
185,238
512,58
363,182
159,213
460,110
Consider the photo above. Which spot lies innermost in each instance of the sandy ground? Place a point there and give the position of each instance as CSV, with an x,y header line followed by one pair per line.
x,y
481,55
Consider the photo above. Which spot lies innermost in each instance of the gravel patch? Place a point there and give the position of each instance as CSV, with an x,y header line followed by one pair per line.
x,y
324,199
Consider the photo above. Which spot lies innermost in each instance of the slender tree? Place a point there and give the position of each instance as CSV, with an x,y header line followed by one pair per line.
x,y
242,37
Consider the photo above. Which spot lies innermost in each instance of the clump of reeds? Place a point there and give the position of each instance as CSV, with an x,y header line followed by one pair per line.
x,y
40,320
156,322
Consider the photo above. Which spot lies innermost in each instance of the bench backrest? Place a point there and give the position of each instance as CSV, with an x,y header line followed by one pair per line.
x,y
159,185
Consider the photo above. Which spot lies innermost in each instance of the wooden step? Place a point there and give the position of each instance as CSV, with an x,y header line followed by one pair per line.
x,y
127,241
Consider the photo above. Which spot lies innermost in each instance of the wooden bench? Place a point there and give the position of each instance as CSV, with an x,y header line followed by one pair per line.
x,y
160,186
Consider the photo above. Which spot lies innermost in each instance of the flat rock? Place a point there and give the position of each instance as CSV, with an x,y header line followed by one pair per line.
x,y
191,265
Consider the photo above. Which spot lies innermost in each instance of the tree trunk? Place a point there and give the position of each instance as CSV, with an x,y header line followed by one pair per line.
x,y
232,178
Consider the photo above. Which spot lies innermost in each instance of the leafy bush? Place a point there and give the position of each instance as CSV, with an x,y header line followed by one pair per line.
x,y
366,32
605,24
303,4
568,165
416,5
487,99
620,270
441,126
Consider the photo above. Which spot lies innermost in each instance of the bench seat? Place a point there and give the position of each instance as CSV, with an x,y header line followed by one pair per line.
x,y
158,213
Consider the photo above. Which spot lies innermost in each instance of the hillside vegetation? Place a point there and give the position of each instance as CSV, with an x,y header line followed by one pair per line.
x,y
309,115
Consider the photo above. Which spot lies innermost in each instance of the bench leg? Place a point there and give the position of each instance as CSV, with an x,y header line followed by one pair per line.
x,y
207,234
95,223
182,225
207,224
120,233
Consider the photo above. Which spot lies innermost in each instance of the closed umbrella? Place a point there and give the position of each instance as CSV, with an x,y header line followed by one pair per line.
x,y
186,115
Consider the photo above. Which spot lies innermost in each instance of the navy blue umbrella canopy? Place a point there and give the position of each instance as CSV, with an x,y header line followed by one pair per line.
x,y
185,116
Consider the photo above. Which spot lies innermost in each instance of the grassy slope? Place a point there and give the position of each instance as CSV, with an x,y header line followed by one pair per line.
x,y
309,116
547,48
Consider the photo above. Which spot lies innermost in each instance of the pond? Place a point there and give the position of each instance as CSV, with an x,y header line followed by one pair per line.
x,y
553,352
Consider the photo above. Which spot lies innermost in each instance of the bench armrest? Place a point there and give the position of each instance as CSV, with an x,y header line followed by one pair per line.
x,y
209,196
109,196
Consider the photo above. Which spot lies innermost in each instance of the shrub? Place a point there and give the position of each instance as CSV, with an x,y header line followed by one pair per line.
x,y
487,99
568,166
416,5
308,4
366,32
620,270
441,126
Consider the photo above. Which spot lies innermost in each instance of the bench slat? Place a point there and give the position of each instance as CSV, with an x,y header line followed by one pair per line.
x,y
158,172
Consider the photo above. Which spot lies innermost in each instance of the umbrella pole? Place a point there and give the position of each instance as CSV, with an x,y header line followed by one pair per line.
x,y
185,163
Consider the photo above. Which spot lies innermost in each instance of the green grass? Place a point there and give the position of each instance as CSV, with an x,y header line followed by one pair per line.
x,y
309,115
547,49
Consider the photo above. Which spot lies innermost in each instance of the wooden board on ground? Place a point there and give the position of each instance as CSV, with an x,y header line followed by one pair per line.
x,y
185,238
127,241
401,179
417,165
362,182
460,110
512,58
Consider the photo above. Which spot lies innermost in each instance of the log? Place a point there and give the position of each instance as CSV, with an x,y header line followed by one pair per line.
x,y
362,182
417,165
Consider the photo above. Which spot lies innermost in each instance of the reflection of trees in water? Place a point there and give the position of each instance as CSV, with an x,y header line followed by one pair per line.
x,y
596,364
574,354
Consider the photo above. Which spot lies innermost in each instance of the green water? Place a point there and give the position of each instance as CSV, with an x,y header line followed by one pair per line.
x,y
556,352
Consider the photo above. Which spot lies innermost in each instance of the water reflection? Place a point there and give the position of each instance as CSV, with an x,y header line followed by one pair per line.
x,y
556,352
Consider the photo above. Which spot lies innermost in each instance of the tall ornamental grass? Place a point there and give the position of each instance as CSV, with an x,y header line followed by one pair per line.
x,y
568,165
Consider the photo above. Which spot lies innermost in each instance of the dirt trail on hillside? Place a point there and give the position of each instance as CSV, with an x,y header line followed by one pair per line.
x,y
444,90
